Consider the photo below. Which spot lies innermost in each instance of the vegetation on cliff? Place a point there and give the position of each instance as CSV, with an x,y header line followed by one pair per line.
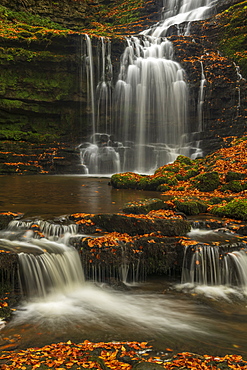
x,y
111,19
233,34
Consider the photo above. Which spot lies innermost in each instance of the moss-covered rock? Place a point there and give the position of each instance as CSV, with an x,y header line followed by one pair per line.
x,y
234,186
231,176
163,188
236,208
128,180
190,207
143,206
233,34
208,181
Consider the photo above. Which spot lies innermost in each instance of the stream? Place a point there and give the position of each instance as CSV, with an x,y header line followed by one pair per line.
x,y
162,311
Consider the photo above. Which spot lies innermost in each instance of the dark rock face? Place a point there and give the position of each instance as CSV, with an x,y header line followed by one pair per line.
x,y
225,102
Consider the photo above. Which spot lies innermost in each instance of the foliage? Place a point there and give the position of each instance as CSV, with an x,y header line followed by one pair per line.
x,y
233,35
114,19
214,176
117,18
112,355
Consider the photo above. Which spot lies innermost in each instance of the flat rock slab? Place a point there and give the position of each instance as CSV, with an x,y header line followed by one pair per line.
x,y
137,225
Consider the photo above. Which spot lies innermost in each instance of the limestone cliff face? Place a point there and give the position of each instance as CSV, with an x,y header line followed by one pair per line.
x,y
43,83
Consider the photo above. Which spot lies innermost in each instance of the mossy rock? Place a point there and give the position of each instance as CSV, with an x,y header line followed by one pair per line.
x,y
143,183
234,186
139,226
236,208
143,206
184,160
163,188
126,180
190,207
154,182
231,176
208,181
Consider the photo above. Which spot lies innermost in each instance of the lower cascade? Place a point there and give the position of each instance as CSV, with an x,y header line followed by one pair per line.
x,y
222,265
49,272
210,266
59,304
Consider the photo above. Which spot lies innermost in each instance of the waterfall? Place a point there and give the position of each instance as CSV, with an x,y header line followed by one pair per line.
x,y
46,264
215,265
179,13
201,99
90,81
58,270
151,96
142,123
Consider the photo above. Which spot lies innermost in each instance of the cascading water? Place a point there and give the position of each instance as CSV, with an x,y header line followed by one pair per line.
x,y
149,102
201,99
219,266
179,14
151,96
59,302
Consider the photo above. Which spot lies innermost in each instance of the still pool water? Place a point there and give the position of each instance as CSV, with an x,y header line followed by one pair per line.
x,y
210,320
50,196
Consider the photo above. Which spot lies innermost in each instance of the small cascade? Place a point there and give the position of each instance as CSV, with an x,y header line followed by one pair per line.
x,y
239,78
48,229
201,99
46,264
218,264
58,270
99,155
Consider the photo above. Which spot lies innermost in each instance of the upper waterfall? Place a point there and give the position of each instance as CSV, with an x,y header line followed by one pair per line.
x,y
176,12
142,123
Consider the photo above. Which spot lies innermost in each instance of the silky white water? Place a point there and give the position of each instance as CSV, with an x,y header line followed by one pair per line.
x,y
148,123
58,304
176,12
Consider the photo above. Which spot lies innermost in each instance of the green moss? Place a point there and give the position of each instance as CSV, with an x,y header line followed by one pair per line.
x,y
230,176
184,160
234,186
236,208
10,104
127,180
143,206
208,181
233,36
190,207
163,188
26,55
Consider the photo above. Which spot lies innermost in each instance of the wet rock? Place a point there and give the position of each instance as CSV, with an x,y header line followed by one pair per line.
x,y
147,366
143,206
134,225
